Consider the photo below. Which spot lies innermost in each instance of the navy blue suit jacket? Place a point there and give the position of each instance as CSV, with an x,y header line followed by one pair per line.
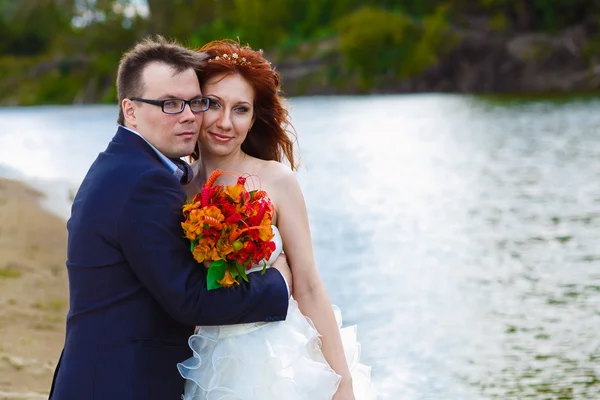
x,y
135,290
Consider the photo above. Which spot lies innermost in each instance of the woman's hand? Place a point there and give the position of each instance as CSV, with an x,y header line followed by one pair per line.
x,y
344,391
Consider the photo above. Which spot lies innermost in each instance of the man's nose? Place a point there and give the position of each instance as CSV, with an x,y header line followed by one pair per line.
x,y
187,113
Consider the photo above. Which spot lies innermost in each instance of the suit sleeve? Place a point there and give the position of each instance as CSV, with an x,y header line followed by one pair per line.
x,y
154,245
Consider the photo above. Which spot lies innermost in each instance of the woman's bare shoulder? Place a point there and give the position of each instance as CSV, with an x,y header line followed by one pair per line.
x,y
275,173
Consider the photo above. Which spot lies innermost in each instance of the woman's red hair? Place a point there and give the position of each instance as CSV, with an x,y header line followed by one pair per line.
x,y
270,135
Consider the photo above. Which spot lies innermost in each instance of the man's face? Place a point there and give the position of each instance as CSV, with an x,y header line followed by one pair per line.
x,y
174,135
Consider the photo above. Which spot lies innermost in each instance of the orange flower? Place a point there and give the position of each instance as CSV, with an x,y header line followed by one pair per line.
x,y
205,251
224,248
213,212
235,233
227,280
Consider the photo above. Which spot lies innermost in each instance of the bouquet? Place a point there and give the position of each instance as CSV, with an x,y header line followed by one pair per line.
x,y
230,227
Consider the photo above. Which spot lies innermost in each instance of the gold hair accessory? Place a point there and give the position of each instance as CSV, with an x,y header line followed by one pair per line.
x,y
233,58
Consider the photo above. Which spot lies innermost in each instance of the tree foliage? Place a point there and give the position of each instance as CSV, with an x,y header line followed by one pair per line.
x,y
77,43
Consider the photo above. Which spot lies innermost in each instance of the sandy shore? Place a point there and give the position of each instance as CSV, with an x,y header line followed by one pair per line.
x,y
33,292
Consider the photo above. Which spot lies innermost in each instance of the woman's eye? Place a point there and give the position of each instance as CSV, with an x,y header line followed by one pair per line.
x,y
213,104
242,109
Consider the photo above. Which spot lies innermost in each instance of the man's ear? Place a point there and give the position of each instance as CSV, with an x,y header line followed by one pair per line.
x,y
129,109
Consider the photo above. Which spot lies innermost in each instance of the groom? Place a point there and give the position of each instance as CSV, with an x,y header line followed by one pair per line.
x,y
135,290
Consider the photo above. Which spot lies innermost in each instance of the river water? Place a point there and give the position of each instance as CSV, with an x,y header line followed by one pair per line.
x,y
461,234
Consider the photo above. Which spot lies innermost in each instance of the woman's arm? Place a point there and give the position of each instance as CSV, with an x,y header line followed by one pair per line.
x,y
309,289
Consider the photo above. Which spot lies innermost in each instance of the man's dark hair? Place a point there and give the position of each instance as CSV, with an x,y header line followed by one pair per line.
x,y
151,50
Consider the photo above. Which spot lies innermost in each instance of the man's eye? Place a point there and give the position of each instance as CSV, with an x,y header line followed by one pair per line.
x,y
170,103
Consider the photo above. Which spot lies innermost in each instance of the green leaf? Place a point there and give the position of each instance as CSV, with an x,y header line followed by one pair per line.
x,y
216,272
241,270
192,245
264,267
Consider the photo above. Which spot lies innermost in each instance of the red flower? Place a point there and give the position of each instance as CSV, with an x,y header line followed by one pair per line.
x,y
233,218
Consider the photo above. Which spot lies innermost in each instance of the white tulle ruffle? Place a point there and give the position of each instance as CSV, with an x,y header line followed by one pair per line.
x,y
269,361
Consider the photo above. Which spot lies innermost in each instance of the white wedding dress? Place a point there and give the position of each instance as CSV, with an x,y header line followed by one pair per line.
x,y
269,360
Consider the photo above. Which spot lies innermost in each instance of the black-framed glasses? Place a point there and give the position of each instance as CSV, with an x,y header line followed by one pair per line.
x,y
176,106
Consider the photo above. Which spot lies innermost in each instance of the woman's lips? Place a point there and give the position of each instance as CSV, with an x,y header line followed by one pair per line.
x,y
220,138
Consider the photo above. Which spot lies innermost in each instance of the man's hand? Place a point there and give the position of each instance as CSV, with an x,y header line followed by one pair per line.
x,y
282,266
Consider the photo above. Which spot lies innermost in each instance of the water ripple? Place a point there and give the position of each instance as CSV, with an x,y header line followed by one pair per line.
x,y
461,235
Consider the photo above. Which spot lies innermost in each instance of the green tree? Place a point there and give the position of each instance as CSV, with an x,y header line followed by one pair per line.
x,y
29,27
377,43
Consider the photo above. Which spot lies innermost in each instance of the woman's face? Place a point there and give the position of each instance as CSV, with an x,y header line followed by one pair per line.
x,y
230,115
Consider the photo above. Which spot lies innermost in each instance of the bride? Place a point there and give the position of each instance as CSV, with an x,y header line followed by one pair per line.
x,y
307,356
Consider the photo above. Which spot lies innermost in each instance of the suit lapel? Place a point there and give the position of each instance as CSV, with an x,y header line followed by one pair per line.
x,y
132,143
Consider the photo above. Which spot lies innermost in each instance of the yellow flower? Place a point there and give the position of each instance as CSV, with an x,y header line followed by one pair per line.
x,y
266,234
227,280
235,191
192,230
190,206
